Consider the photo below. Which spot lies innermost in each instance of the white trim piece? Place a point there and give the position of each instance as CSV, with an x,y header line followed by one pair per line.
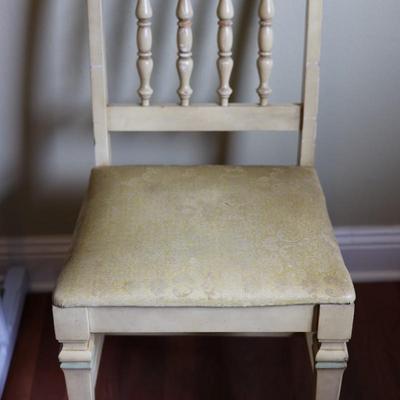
x,y
42,257
372,254
34,247
311,82
138,320
204,117
377,237
98,75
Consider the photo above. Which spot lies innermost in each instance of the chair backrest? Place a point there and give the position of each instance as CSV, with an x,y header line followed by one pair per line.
x,y
225,116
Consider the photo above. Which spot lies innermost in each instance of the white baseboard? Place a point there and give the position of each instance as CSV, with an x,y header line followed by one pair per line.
x,y
372,254
42,257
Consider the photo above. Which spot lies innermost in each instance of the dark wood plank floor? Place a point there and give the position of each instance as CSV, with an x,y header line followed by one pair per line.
x,y
198,367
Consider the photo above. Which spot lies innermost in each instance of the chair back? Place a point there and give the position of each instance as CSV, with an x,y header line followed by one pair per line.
x,y
222,116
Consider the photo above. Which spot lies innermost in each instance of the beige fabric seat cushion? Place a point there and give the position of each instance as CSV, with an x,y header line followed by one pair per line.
x,y
204,236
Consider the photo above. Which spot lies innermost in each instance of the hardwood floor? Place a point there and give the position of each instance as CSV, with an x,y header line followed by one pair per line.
x,y
203,367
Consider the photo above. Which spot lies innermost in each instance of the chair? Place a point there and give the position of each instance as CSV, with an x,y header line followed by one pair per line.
x,y
204,249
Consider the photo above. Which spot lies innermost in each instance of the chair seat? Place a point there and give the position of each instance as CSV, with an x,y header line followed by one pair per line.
x,y
216,236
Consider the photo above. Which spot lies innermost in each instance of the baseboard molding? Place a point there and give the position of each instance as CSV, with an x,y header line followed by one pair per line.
x,y
372,254
42,257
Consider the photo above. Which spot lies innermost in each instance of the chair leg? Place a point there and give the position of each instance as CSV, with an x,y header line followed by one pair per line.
x,y
80,363
334,331
331,361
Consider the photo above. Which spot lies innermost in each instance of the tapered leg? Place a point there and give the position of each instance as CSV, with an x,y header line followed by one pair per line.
x,y
334,331
80,385
80,362
331,361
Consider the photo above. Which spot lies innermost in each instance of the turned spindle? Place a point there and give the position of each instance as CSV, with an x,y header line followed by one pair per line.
x,y
144,43
265,43
184,64
225,13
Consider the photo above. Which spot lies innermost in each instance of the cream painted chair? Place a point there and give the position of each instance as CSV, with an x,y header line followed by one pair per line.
x,y
204,249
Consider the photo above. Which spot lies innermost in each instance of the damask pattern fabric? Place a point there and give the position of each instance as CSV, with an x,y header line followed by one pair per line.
x,y
204,236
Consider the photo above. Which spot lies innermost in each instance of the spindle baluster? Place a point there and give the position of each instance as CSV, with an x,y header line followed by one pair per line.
x,y
225,13
265,43
184,12
144,13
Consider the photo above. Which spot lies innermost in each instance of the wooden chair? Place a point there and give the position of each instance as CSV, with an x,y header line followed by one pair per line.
x,y
204,249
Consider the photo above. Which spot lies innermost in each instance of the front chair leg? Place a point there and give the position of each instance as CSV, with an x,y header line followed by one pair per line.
x,y
80,363
335,324
330,363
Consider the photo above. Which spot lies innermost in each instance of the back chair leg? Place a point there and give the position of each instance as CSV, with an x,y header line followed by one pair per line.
x,y
335,324
80,363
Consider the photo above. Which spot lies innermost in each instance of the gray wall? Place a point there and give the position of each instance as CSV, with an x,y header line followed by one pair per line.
x,y
45,137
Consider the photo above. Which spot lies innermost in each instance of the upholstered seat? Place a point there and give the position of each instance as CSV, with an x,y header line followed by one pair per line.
x,y
204,236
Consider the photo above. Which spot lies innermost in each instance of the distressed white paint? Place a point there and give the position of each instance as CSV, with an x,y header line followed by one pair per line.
x,y
98,70
225,13
184,13
207,117
311,82
265,42
144,13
